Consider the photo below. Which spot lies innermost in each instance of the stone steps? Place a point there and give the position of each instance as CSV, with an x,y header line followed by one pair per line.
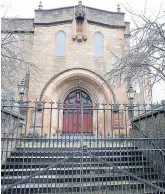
x,y
77,187
78,174
43,164
92,177
63,152
68,170
74,159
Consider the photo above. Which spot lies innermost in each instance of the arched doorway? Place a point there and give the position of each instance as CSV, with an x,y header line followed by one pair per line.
x,y
77,115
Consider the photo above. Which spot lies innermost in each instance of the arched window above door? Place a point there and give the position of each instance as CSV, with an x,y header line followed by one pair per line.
x,y
98,45
60,44
78,97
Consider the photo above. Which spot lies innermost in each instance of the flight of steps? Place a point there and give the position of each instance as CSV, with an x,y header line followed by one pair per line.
x,y
79,174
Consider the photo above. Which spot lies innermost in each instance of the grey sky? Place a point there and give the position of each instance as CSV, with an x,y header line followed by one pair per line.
x,y
25,8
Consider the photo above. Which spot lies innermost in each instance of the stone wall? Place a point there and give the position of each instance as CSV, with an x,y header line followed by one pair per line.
x,y
11,128
17,25
41,53
16,68
77,54
17,35
151,126
102,17
152,123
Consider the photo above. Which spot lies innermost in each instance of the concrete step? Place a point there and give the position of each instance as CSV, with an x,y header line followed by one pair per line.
x,y
42,164
77,158
77,187
117,191
81,173
92,177
70,147
74,170
103,152
154,192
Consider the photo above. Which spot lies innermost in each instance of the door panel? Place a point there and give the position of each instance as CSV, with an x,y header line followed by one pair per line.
x,y
72,118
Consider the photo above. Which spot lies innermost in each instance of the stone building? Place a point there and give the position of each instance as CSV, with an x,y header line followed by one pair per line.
x,y
73,48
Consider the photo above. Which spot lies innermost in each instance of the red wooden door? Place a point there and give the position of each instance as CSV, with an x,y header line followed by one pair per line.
x,y
77,116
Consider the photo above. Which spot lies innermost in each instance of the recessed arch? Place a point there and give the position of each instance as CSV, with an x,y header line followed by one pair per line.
x,y
87,75
60,85
64,93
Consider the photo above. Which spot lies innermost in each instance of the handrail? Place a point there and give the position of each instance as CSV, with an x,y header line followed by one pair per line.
x,y
10,131
153,143
15,115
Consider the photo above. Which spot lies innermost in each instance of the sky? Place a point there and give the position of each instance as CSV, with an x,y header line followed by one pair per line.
x,y
25,9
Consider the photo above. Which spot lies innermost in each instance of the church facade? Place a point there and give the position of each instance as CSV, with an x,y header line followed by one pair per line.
x,y
74,48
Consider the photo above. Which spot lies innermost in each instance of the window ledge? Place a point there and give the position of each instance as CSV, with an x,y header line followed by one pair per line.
x,y
98,57
60,57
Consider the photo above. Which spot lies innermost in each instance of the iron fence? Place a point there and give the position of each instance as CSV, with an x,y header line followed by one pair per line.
x,y
49,147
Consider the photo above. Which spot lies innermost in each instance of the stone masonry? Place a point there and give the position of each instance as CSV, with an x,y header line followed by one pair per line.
x,y
55,76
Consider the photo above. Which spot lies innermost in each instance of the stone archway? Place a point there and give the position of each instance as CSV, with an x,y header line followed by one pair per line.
x,y
58,88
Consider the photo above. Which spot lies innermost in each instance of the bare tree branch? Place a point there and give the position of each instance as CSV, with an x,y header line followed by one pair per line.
x,y
16,51
146,55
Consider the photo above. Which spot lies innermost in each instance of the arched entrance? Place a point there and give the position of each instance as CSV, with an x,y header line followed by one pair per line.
x,y
59,86
77,115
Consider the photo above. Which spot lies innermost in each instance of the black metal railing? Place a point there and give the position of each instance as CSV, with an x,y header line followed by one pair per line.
x,y
49,147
